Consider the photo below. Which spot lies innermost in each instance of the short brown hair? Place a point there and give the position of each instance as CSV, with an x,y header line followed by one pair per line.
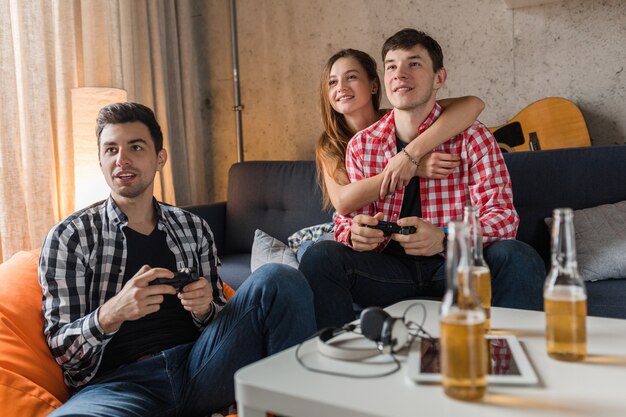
x,y
130,112
408,38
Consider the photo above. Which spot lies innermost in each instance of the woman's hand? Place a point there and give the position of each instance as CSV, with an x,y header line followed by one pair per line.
x,y
397,174
399,170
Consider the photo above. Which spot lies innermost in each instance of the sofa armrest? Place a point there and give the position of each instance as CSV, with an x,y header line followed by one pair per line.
x,y
215,215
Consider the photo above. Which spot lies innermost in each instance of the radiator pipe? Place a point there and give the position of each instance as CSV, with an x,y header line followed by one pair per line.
x,y
238,108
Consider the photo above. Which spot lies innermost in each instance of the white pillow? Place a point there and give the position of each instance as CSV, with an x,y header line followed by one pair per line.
x,y
600,241
266,249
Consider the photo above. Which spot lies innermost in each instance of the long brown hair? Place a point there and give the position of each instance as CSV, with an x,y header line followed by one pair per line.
x,y
331,145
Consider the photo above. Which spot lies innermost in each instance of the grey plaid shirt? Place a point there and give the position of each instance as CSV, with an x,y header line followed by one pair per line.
x,y
82,265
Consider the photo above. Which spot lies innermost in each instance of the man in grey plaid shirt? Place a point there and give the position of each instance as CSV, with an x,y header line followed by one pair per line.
x,y
127,347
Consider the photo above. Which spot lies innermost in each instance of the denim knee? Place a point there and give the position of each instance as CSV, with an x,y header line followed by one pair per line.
x,y
284,288
324,256
515,252
518,273
283,278
323,252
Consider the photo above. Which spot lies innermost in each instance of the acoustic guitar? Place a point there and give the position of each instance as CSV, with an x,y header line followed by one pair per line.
x,y
549,123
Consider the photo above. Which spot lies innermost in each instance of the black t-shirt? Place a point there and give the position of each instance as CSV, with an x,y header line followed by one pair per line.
x,y
411,206
171,326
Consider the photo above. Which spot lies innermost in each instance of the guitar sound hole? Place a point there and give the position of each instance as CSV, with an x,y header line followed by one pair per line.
x,y
510,135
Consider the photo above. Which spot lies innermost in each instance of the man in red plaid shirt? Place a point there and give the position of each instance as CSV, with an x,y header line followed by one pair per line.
x,y
368,268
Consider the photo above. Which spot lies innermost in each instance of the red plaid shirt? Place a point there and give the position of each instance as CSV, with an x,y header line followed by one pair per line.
x,y
482,180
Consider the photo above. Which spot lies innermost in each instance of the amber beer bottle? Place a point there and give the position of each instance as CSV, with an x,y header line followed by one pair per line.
x,y
564,295
463,351
479,270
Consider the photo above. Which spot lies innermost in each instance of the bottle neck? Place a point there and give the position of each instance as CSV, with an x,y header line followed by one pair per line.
x,y
476,237
477,248
563,242
460,292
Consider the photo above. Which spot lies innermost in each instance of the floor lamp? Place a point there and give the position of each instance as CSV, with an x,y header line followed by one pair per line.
x,y
89,184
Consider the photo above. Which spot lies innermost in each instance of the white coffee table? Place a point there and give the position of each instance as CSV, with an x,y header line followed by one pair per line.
x,y
596,387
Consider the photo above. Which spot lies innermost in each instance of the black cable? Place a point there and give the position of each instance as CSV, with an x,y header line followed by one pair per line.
x,y
419,327
397,367
414,332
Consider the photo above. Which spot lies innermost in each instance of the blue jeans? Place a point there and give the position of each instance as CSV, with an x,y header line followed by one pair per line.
x,y
304,246
271,311
517,275
340,276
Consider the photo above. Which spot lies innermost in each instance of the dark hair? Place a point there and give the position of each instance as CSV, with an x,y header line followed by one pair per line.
x,y
130,112
331,146
408,38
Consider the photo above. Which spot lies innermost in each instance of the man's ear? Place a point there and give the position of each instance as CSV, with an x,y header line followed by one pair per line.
x,y
161,159
440,78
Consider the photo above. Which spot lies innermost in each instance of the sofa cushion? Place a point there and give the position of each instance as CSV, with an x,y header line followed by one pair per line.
x,y
278,197
574,177
606,298
600,241
31,382
20,396
267,249
235,269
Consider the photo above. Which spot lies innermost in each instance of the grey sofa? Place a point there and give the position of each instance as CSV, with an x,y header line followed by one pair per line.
x,y
281,197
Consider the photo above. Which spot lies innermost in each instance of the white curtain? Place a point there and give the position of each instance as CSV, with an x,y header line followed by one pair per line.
x,y
49,47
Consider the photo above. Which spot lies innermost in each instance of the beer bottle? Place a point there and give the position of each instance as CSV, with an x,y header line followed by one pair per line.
x,y
479,270
564,295
463,350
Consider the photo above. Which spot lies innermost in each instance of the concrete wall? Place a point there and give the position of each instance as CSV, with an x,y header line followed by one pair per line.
x,y
574,49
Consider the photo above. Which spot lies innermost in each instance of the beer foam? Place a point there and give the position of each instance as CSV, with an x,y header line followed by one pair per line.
x,y
565,293
466,318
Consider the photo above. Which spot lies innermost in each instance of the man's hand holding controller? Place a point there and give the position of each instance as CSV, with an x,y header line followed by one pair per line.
x,y
144,293
417,236
368,232
389,228
427,240
179,280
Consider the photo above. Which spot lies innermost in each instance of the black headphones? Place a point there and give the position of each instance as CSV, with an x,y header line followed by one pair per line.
x,y
390,334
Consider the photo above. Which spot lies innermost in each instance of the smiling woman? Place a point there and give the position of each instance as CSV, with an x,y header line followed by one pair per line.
x,y
350,92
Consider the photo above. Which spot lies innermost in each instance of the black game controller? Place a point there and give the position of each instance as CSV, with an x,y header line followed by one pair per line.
x,y
181,278
390,227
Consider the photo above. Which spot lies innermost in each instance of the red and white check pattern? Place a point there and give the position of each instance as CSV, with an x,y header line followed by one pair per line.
x,y
501,357
481,180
